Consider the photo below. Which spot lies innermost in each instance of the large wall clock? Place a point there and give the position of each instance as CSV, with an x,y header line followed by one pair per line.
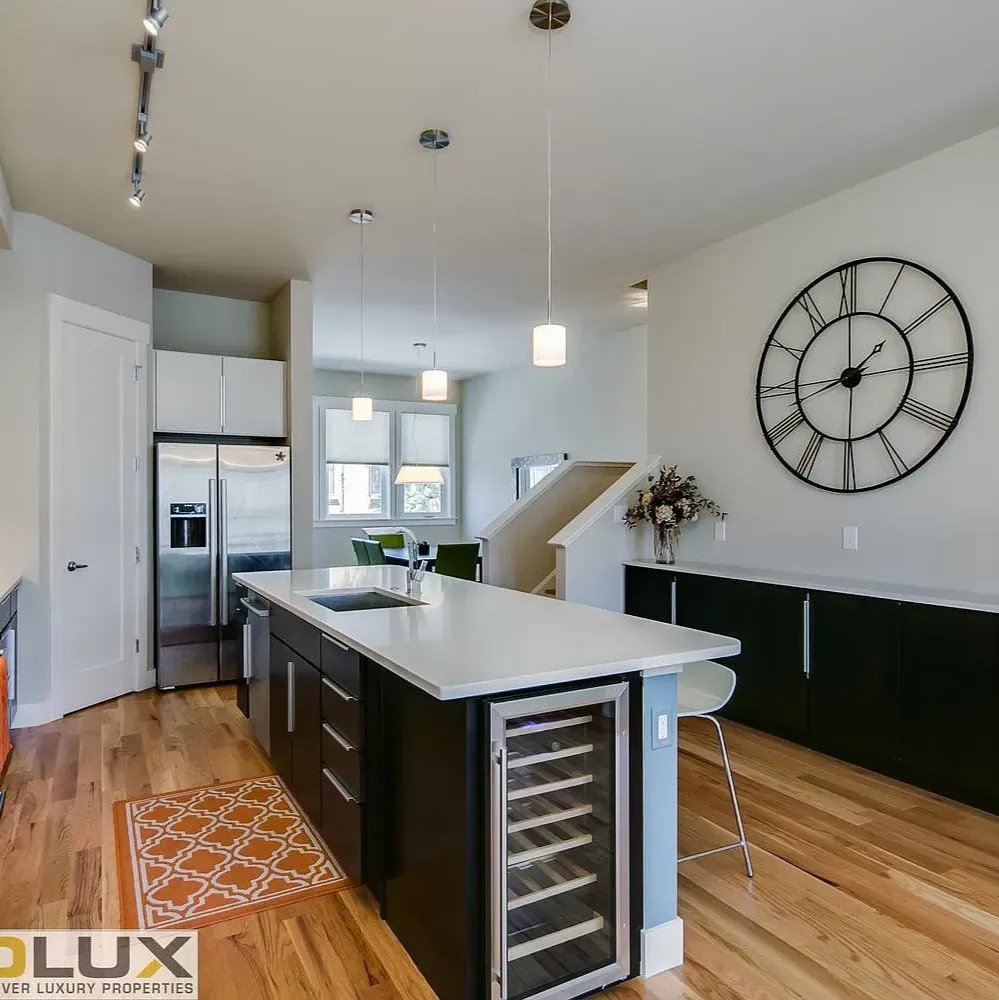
x,y
865,375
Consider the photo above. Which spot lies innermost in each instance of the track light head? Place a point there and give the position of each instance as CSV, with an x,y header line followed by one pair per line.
x,y
142,141
155,20
137,197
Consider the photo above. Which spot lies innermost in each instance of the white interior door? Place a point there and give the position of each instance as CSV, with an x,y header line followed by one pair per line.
x,y
98,401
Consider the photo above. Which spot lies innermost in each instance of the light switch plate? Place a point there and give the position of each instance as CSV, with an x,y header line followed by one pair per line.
x,y
851,538
619,511
720,530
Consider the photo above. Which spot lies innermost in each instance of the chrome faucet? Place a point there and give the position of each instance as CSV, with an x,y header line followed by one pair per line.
x,y
415,573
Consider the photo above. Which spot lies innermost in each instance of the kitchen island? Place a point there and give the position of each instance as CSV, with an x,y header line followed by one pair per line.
x,y
498,768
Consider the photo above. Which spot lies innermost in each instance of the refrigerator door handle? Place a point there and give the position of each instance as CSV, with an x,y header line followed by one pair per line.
x,y
224,554
213,550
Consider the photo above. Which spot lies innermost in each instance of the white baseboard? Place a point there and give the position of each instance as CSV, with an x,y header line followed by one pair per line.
x,y
662,948
32,714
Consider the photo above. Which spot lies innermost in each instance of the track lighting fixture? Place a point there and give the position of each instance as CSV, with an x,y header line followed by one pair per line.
x,y
142,141
137,197
155,20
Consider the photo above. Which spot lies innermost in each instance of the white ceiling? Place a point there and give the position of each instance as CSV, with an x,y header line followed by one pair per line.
x,y
676,124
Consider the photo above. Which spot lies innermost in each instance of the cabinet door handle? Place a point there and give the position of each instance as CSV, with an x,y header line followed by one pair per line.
x,y
247,653
338,691
222,401
291,697
672,601
339,645
806,633
333,734
328,775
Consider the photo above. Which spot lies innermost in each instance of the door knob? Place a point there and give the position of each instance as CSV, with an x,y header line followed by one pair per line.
x,y
74,566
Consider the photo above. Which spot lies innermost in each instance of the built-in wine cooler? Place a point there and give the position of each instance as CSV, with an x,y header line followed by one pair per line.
x,y
560,877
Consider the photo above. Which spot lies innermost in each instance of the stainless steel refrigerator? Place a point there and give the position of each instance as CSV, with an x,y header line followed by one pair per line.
x,y
220,509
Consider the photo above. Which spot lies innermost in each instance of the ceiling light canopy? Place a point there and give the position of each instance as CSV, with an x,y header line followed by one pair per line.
x,y
362,407
155,20
548,343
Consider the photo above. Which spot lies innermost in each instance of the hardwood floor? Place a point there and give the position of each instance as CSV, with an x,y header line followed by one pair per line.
x,y
864,888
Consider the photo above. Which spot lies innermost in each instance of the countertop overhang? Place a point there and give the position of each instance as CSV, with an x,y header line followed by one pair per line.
x,y
469,639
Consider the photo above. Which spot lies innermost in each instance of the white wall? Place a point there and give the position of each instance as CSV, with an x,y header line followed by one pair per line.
x,y
593,408
46,258
709,317
332,542
207,324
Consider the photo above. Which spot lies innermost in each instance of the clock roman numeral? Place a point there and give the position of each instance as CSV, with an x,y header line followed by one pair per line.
x,y
796,354
941,361
849,467
848,291
884,304
896,458
787,426
807,461
928,414
814,313
781,389
920,320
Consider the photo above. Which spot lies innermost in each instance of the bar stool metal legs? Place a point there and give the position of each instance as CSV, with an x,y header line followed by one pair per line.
x,y
741,842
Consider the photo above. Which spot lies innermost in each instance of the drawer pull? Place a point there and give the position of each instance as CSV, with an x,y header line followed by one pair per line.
x,y
338,691
333,734
328,774
339,645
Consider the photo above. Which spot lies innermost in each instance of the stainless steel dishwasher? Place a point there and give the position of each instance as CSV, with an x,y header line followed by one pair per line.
x,y
257,666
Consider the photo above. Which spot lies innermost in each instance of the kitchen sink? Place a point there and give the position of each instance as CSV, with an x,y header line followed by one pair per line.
x,y
361,600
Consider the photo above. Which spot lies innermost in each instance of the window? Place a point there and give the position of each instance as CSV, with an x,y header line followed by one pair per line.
x,y
358,461
529,470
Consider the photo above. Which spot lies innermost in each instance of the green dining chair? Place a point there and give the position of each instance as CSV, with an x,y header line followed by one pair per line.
x,y
396,541
460,561
361,551
373,550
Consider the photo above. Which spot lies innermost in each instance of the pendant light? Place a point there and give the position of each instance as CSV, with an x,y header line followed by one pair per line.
x,y
433,382
413,474
548,342
362,407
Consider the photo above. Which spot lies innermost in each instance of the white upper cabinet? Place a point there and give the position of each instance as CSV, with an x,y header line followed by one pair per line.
x,y
207,394
254,397
188,393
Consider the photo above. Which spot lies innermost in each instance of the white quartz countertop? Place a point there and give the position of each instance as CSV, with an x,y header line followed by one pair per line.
x,y
837,585
468,639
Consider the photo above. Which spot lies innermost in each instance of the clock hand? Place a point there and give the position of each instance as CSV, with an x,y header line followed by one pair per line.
x,y
877,350
828,385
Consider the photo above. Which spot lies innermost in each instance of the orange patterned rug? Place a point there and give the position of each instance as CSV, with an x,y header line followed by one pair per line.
x,y
203,855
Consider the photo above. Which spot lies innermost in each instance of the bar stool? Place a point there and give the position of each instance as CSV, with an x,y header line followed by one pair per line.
x,y
702,690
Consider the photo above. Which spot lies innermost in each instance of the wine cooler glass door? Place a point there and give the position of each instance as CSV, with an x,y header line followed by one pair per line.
x,y
560,844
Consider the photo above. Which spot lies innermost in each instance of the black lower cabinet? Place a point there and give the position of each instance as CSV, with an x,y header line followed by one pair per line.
x,y
772,689
949,702
306,754
648,593
853,678
281,659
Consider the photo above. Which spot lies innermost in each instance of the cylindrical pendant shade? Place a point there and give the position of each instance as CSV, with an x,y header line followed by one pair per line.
x,y
419,475
434,385
362,408
549,345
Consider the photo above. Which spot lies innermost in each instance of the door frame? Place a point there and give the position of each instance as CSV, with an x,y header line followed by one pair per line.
x,y
62,310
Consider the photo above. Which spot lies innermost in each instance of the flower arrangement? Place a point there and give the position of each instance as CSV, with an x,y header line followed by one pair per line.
x,y
667,503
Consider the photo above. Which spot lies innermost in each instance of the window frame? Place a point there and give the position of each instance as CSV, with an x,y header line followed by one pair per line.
x,y
394,513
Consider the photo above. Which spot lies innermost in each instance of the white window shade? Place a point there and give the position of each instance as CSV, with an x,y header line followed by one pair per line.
x,y
349,441
425,439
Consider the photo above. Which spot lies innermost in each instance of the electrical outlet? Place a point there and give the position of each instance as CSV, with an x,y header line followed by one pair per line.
x,y
720,530
662,727
851,538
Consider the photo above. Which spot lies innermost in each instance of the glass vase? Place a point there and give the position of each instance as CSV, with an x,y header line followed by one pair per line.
x,y
666,539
